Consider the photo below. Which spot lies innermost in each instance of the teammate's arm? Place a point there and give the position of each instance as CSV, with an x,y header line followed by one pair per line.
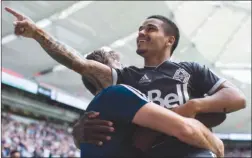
x,y
99,74
187,130
222,95
152,116
227,98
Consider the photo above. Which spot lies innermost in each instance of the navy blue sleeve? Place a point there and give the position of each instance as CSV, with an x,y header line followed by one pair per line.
x,y
204,80
118,103
124,76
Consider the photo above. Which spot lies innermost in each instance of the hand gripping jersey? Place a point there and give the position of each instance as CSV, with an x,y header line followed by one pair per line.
x,y
169,84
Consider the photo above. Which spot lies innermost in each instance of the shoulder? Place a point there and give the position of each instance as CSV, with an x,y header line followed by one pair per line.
x,y
187,65
130,69
126,75
134,68
190,65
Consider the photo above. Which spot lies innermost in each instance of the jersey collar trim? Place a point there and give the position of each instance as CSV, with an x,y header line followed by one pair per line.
x,y
155,67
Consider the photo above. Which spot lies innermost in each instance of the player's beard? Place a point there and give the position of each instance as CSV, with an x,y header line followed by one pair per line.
x,y
142,48
141,51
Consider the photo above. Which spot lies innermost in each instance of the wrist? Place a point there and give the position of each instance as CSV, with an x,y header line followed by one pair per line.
x,y
37,32
195,104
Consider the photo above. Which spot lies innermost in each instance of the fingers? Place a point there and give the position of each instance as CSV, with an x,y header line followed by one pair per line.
x,y
98,122
96,142
98,139
13,12
93,139
89,119
93,114
100,129
90,114
101,137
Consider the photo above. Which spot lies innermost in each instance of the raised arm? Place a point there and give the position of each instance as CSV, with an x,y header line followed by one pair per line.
x,y
99,74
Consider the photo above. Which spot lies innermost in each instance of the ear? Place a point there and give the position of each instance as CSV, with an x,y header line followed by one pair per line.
x,y
170,40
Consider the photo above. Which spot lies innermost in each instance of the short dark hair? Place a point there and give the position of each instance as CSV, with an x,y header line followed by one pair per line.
x,y
170,29
101,56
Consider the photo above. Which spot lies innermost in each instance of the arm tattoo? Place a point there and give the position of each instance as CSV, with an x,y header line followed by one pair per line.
x,y
57,50
95,82
70,58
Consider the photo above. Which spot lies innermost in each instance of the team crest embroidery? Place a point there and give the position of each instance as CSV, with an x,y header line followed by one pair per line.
x,y
181,75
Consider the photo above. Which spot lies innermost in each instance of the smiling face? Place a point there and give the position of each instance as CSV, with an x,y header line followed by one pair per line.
x,y
158,37
151,37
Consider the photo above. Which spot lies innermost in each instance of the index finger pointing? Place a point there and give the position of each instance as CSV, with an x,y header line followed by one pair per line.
x,y
13,12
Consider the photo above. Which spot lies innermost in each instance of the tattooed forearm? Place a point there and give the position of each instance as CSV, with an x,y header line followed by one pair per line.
x,y
57,50
97,73
100,78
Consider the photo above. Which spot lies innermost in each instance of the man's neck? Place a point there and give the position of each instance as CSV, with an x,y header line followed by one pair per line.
x,y
154,61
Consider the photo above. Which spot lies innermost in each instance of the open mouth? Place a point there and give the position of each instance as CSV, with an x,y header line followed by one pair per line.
x,y
142,41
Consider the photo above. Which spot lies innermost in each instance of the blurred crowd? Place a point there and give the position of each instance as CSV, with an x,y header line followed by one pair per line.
x,y
237,152
36,139
41,139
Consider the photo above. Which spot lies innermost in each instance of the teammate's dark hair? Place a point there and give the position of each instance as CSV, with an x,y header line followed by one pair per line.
x,y
170,28
101,56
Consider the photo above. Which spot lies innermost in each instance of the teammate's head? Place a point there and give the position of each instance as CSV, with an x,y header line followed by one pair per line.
x,y
157,34
105,56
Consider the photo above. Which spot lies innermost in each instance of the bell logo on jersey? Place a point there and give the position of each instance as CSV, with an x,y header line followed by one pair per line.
x,y
171,100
